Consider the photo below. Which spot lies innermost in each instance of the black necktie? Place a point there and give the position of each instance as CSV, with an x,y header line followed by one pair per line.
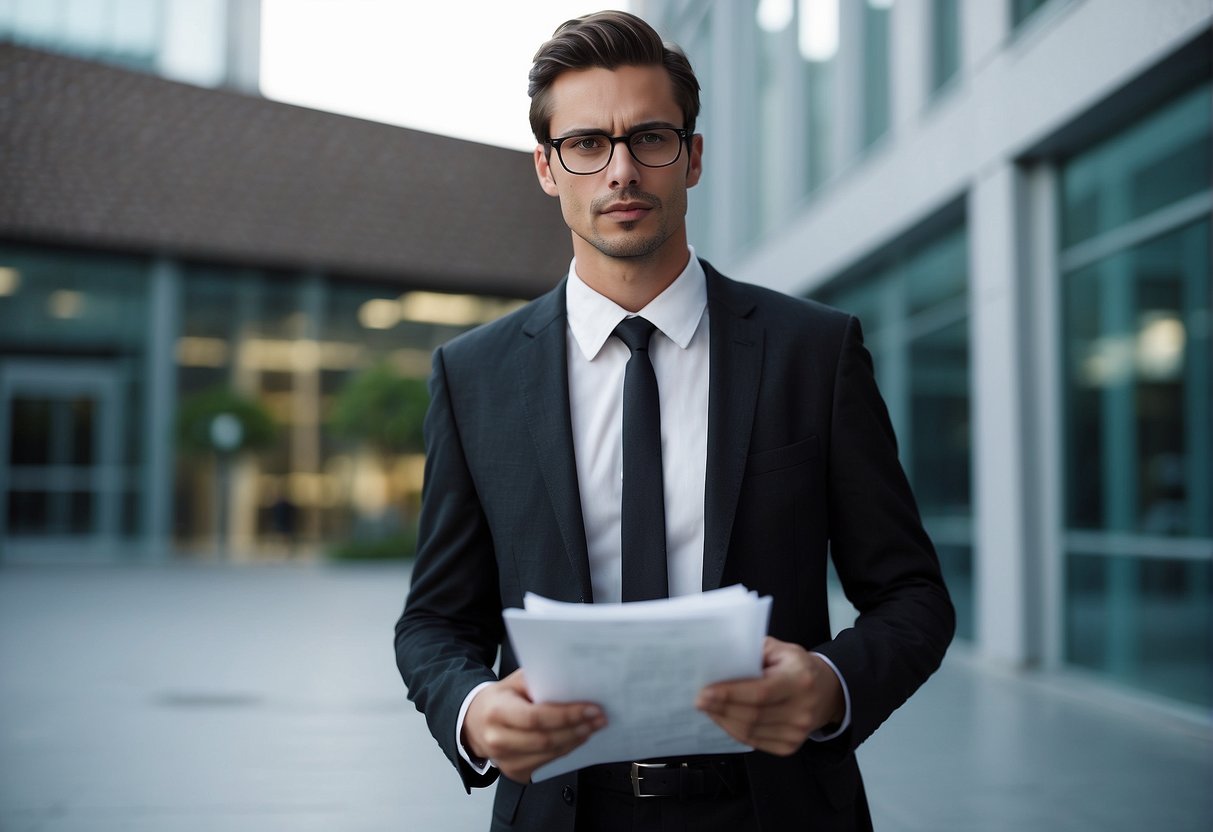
x,y
643,510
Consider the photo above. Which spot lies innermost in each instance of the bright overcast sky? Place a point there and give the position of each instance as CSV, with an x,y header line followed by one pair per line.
x,y
456,68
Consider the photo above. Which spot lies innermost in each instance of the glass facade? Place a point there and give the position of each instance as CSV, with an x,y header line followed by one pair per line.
x,y
875,70
1021,10
1089,222
796,47
186,41
1139,403
294,342
914,312
698,49
945,42
77,344
817,50
73,355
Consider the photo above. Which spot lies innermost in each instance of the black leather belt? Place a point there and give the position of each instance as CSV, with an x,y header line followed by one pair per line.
x,y
708,778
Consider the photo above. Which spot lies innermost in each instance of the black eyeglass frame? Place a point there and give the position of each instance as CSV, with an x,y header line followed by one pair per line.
x,y
684,136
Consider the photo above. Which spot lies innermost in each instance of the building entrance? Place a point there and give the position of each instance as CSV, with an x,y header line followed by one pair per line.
x,y
61,460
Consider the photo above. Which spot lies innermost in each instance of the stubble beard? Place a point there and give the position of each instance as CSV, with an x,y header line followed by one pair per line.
x,y
630,245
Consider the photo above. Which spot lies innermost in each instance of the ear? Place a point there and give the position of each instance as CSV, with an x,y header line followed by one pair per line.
x,y
695,167
543,170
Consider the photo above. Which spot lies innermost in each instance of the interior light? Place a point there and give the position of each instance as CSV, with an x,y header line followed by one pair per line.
x,y
883,5
379,313
1160,347
10,280
1108,362
817,35
774,15
195,351
441,308
65,303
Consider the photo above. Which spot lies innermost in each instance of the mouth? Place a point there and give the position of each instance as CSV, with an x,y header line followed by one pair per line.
x,y
627,211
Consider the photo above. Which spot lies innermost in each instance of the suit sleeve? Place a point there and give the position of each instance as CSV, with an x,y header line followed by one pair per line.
x,y
448,635
887,565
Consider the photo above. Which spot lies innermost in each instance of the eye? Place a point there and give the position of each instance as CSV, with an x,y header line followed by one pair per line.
x,y
650,137
588,144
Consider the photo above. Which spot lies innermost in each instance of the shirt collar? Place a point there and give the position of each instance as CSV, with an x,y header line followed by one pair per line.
x,y
676,311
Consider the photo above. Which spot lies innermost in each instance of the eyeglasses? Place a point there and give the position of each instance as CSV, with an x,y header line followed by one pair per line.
x,y
653,147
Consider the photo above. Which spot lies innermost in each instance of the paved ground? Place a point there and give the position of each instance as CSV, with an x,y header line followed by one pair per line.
x,y
184,698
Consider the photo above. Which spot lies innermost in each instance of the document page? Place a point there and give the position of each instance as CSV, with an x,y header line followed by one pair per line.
x,y
644,663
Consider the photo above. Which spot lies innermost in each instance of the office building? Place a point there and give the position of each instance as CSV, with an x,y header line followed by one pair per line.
x,y
164,232
1014,196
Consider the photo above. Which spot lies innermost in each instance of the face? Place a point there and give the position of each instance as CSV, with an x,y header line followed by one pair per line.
x,y
626,210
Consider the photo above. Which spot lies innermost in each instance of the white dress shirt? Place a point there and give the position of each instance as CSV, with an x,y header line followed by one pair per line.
x,y
596,362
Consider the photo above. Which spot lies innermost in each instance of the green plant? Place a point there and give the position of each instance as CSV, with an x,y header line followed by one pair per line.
x,y
382,408
197,412
399,546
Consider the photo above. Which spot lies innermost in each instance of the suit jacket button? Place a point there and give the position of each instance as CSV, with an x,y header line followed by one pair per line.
x,y
568,794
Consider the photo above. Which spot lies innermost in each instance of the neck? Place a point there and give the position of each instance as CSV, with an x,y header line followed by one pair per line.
x,y
631,282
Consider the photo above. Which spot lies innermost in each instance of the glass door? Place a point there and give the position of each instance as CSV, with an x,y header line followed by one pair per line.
x,y
60,451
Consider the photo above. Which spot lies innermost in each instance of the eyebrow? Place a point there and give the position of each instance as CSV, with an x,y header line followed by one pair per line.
x,y
598,131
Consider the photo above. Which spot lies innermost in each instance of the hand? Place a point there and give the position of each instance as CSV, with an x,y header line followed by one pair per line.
x,y
503,725
797,694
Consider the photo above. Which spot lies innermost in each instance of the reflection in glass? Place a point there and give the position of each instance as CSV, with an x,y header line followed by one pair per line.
x,y
1155,163
1138,372
914,312
875,71
1021,10
945,41
1145,621
1139,388
817,44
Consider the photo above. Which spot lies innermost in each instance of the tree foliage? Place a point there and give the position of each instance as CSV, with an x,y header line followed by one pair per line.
x,y
382,408
196,412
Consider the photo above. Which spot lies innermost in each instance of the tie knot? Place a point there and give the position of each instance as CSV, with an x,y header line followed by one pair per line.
x,y
635,332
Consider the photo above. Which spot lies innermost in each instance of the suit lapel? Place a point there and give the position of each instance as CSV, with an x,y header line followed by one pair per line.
x,y
736,347
542,366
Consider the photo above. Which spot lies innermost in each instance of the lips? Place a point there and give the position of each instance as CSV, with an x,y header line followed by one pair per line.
x,y
627,211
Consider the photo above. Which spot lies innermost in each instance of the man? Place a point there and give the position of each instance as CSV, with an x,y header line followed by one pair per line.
x,y
774,450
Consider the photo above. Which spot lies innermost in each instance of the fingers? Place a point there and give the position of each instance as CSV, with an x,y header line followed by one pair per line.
x,y
503,725
796,695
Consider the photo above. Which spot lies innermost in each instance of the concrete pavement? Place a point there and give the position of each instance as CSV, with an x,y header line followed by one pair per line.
x,y
206,697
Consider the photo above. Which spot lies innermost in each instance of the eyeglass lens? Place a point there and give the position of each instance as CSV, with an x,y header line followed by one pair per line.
x,y
589,154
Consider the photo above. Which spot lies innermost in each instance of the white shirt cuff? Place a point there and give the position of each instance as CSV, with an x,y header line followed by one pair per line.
x,y
481,766
819,735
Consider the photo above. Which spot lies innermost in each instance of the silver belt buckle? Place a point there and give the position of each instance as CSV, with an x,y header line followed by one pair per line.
x,y
637,777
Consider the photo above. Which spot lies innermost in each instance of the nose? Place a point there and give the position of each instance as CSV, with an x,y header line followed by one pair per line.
x,y
623,170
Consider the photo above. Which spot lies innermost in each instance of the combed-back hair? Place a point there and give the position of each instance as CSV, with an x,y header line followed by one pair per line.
x,y
608,40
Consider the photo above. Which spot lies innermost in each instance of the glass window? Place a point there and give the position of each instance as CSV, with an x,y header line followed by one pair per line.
x,y
1137,360
73,341
294,345
1138,370
1021,10
779,142
699,51
1143,621
1155,163
134,39
86,25
945,41
914,311
817,45
875,69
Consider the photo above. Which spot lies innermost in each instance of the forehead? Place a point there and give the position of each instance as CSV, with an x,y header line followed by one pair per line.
x,y
612,99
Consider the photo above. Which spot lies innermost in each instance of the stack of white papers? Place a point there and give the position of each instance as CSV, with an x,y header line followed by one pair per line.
x,y
644,663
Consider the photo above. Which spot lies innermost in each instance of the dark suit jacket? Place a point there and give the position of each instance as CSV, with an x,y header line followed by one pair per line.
x,y
802,463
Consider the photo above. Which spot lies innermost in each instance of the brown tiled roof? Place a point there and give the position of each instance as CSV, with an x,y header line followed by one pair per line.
x,y
92,155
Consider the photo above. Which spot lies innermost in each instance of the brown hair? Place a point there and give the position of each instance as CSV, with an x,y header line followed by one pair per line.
x,y
608,40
